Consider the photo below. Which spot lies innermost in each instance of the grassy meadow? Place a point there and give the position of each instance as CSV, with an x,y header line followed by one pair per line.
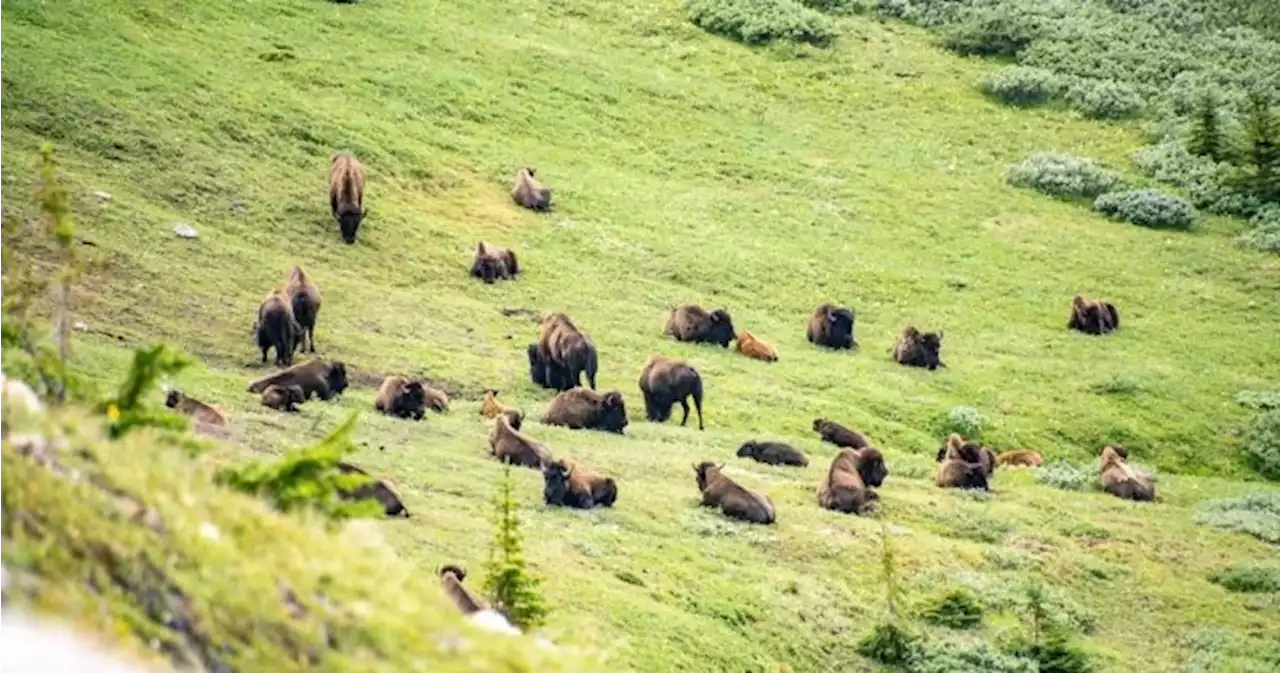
x,y
685,169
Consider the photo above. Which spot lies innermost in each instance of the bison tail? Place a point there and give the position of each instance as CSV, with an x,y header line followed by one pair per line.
x,y
593,364
697,399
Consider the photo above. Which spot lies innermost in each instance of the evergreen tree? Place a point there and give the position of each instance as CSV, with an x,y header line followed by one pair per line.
x,y
510,586
1208,137
1264,149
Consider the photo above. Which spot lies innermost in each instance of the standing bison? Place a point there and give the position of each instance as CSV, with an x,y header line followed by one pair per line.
x,y
565,354
664,382
346,194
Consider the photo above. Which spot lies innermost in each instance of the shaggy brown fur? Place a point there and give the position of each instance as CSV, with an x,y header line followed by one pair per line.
x,y
1093,317
972,452
956,472
511,446
1020,459
381,490
277,328
832,326
545,372
490,407
839,435
493,263
752,347
718,490
697,325
1122,481
916,349
346,194
401,398
317,377
283,398
304,297
451,581
561,343
530,193
582,409
665,381
569,484
197,410
773,453
846,487
437,400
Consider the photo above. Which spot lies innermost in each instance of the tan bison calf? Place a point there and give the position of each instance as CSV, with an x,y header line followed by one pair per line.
x,y
1020,459
752,347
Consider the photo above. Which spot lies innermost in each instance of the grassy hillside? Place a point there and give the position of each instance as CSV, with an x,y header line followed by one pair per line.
x,y
686,169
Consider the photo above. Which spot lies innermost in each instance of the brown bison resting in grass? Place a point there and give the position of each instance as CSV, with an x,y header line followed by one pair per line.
x,y
752,347
1122,481
493,263
1093,317
317,377
304,298
916,349
437,400
665,381
569,484
546,373
346,194
718,490
511,446
490,407
401,398
561,343
277,328
530,193
832,326
773,453
1020,459
837,434
381,490
582,409
695,324
283,398
972,452
846,487
197,410
956,472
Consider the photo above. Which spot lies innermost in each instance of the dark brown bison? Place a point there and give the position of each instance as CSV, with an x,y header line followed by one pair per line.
x,y
401,398
545,372
583,409
832,326
665,381
695,324
511,446
283,398
1093,317
530,193
1122,481
304,298
837,434
493,263
569,484
317,377
773,453
197,410
972,452
916,349
381,490
346,193
562,343
847,485
1020,459
718,490
956,472
277,328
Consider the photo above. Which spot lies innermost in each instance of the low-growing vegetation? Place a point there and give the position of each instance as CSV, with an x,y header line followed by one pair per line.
x,y
762,21
1017,85
1147,208
1257,514
1249,578
1061,175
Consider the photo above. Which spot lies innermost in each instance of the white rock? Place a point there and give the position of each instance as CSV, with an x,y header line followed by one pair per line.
x,y
105,196
80,326
185,231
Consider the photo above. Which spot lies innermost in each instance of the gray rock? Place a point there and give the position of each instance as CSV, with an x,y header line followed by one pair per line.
x,y
185,231
105,196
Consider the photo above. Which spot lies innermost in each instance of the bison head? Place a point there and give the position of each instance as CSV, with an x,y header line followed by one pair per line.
x,y
173,398
930,346
871,467
349,223
295,394
720,331
336,378
555,476
840,328
704,471
747,450
613,413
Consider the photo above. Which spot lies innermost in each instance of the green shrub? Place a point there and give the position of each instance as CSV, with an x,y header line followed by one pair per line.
x,y
1054,653
1147,208
840,7
956,609
1025,87
762,21
1265,235
1061,175
1248,579
1257,514
964,657
1066,476
1105,99
1259,399
889,644
995,32
1262,444
965,421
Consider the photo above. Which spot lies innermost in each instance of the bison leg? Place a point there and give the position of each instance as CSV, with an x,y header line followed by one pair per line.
x,y
684,404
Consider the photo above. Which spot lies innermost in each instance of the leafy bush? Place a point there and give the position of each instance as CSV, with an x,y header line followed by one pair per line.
x,y
1061,175
1259,399
841,7
1105,99
889,644
1262,444
1147,208
965,421
1265,235
762,21
1248,579
1026,87
958,657
1054,653
1257,514
1066,476
995,32
956,609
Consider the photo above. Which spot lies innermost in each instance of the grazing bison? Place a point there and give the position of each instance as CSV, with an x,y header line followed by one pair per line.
x,y
915,349
718,490
381,490
401,398
956,472
1093,317
197,410
546,373
752,347
493,263
511,446
837,434
695,324
665,381
846,487
283,398
569,484
561,343
346,193
437,400
582,409
277,328
317,377
832,326
972,452
773,453
530,193
1122,481
304,298
1020,459
490,407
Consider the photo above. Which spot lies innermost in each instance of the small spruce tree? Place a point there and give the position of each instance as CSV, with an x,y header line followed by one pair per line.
x,y
1208,135
511,587
1264,149
889,643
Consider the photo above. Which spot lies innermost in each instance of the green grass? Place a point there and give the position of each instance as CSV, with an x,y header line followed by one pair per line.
x,y
686,169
